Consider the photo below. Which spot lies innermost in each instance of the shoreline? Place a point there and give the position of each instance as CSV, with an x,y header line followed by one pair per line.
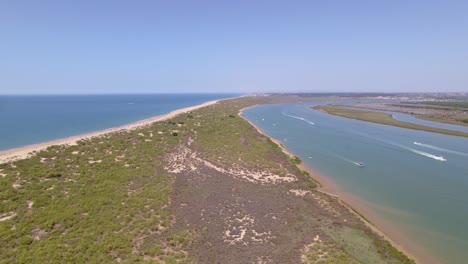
x,y
325,185
417,115
25,152
383,119
359,207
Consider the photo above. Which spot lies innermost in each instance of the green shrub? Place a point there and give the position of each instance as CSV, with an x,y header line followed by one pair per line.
x,y
296,160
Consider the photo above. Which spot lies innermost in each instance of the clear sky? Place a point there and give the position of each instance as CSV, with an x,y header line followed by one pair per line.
x,y
161,46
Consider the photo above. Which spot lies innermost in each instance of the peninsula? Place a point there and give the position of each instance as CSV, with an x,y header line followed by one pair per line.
x,y
199,186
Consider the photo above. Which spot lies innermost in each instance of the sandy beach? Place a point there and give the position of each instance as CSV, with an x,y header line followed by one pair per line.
x,y
26,151
362,208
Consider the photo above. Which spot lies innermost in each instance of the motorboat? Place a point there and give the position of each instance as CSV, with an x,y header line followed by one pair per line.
x,y
360,164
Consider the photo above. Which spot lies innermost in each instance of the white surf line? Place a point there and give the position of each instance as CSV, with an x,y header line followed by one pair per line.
x,y
422,153
300,118
441,149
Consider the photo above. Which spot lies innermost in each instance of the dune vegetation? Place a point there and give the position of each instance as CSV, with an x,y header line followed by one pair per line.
x,y
204,186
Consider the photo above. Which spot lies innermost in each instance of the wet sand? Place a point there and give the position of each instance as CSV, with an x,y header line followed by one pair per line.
x,y
26,151
364,210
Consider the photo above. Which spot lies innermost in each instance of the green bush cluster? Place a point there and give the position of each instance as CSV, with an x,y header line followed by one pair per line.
x,y
71,208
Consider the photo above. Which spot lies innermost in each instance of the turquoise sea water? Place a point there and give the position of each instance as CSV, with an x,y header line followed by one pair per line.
x,y
26,120
425,198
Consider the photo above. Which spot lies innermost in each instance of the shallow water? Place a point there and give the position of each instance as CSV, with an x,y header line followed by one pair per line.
x,y
26,120
407,183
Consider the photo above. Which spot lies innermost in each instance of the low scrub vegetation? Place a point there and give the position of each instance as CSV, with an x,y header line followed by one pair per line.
x,y
108,198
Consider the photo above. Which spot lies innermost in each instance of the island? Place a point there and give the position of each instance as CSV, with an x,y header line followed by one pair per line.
x,y
381,118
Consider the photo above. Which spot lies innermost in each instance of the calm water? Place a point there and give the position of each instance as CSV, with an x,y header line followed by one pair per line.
x,y
26,120
422,196
406,117
415,120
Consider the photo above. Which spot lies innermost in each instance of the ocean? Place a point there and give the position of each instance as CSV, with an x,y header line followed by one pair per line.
x,y
26,120
404,180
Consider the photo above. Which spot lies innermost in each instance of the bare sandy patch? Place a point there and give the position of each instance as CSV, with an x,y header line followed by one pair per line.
x,y
7,216
187,160
240,229
301,193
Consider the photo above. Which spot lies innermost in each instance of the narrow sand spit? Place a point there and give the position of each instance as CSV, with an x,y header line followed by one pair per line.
x,y
26,151
355,205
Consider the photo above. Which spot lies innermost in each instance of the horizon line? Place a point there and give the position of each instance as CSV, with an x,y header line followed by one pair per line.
x,y
238,93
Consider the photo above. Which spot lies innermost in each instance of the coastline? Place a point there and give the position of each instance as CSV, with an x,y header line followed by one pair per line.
x,y
359,207
24,152
327,186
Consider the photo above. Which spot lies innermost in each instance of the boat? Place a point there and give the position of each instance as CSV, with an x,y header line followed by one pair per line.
x,y
360,164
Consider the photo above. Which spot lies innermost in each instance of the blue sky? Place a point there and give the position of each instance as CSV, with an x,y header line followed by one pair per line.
x,y
233,46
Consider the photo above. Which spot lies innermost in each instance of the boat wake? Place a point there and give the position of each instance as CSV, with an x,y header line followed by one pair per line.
x,y
360,164
441,149
422,153
300,118
429,155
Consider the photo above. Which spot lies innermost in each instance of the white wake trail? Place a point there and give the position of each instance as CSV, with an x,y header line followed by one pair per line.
x,y
441,149
342,158
429,155
422,153
300,118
